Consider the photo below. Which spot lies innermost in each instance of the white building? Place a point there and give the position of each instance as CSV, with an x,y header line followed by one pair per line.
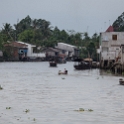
x,y
110,43
30,52
70,50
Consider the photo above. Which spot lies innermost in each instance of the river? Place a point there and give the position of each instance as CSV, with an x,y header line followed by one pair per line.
x,y
34,93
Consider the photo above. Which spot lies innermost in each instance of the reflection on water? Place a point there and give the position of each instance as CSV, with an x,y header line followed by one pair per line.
x,y
53,98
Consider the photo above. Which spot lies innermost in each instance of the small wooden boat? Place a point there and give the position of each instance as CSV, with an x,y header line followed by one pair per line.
x,y
82,65
121,81
53,64
63,73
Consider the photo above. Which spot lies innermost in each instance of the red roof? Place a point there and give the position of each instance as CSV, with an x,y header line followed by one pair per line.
x,y
110,29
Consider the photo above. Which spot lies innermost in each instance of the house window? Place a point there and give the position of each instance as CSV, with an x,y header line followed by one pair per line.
x,y
114,37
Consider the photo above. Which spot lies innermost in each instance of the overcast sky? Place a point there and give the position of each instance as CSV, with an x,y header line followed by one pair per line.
x,y
80,15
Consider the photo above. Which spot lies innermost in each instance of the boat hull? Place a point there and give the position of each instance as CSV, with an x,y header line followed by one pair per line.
x,y
121,81
62,73
81,67
53,64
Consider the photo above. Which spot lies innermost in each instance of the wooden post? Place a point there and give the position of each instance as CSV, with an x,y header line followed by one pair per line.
x,y
115,70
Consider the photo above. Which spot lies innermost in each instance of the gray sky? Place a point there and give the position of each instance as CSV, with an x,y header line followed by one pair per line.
x,y
79,15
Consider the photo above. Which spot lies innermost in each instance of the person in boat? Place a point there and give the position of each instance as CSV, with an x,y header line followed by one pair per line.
x,y
66,71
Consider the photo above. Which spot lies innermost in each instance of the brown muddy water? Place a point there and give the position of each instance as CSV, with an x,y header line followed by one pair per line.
x,y
34,93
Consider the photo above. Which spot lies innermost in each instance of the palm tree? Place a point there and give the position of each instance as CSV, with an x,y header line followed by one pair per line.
x,y
86,36
7,29
35,24
23,25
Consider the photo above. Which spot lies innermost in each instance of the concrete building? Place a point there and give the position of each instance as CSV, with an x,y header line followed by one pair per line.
x,y
55,54
30,53
111,43
69,50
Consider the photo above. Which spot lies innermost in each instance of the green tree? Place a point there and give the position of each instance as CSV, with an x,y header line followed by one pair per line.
x,y
86,36
26,36
91,49
8,31
118,24
24,24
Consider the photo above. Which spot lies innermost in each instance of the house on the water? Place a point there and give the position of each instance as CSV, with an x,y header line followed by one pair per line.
x,y
111,44
55,54
32,52
15,51
70,51
18,50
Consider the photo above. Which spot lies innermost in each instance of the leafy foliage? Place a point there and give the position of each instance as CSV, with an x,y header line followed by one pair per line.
x,y
118,25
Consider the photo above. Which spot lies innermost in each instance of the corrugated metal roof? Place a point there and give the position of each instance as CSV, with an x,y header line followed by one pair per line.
x,y
68,45
26,43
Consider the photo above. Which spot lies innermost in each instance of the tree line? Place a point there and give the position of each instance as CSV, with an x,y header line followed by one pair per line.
x,y
41,33
118,24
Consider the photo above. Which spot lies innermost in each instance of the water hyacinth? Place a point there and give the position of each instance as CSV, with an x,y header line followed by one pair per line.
x,y
27,110
34,119
82,110
1,87
8,107
90,110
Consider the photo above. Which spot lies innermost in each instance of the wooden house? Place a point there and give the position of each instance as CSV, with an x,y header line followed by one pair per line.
x,y
15,51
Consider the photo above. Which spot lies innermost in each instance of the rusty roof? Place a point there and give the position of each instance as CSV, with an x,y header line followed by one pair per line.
x,y
15,44
110,29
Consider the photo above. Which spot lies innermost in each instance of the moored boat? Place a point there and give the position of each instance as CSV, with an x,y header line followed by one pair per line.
x,y
121,81
53,64
81,64
64,73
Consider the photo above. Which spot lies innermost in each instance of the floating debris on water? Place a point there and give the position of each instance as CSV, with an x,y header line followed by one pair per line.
x,y
90,110
27,110
34,119
82,110
97,77
1,87
8,107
